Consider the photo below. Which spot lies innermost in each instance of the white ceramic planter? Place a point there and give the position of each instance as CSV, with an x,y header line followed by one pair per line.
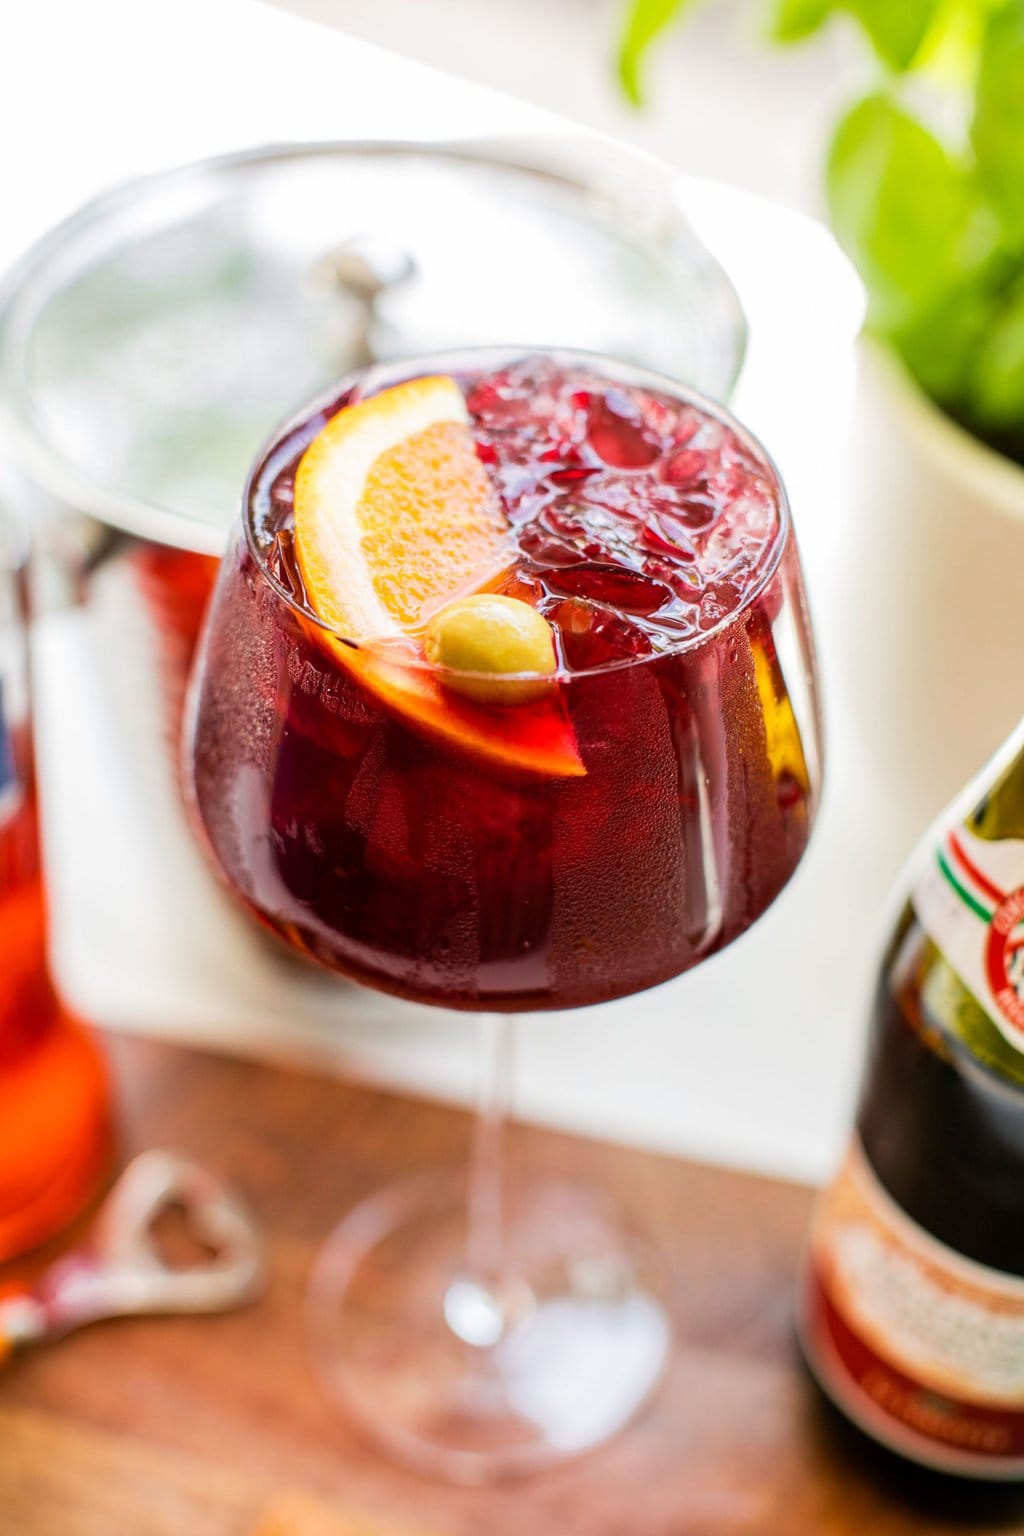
x,y
933,546
986,479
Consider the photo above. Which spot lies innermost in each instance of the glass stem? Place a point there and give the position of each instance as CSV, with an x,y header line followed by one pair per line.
x,y
486,1255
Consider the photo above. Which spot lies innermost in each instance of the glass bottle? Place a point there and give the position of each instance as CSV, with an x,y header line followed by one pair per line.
x,y
56,1140
912,1298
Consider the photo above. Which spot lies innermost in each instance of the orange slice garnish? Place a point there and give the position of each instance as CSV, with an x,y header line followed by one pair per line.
x,y
394,517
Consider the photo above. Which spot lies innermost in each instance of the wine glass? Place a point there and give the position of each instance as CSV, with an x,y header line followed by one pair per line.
x,y
596,832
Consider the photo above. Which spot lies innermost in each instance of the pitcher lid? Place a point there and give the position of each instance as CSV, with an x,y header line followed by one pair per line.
x,y
150,343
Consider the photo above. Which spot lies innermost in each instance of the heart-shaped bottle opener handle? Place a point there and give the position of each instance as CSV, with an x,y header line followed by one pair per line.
x,y
121,1271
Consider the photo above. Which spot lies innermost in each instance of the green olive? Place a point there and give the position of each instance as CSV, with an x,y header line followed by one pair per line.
x,y
491,635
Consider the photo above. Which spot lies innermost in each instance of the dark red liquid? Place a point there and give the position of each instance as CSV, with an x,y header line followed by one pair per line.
x,y
651,535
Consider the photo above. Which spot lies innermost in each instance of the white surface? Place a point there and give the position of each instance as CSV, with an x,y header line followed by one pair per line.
x,y
933,590
751,1059
114,89
721,101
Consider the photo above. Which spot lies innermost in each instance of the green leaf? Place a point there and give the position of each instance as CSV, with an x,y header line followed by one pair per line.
x,y
997,375
644,21
997,132
940,344
968,354
952,47
896,28
911,217
793,20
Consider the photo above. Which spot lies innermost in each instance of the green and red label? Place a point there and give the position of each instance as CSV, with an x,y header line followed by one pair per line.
x,y
1004,958
970,902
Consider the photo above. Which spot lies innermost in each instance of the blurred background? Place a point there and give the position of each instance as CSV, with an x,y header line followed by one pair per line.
x,y
721,101
810,211
911,528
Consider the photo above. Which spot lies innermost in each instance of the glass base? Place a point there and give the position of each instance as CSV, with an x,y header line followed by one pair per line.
x,y
473,1381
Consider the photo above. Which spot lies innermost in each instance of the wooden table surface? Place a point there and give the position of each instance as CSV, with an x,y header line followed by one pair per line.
x,y
174,1427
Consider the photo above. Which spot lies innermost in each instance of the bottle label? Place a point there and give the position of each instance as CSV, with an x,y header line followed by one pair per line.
x,y
970,902
920,1346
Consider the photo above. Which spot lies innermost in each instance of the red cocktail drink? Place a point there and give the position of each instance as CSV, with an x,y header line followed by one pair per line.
x,y
654,538
506,702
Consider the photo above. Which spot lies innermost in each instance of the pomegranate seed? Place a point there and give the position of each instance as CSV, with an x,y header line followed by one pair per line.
x,y
696,512
687,586
571,476
684,468
484,400
687,423
547,549
592,636
612,585
617,435
666,535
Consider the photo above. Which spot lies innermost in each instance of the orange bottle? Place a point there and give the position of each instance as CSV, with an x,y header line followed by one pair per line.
x,y
55,1129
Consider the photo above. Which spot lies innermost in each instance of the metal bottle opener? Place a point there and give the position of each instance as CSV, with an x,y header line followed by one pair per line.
x,y
119,1271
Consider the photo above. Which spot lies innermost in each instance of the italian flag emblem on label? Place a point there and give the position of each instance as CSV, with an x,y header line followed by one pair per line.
x,y
971,903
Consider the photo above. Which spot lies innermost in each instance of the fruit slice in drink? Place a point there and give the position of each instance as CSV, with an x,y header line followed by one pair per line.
x,y
396,519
